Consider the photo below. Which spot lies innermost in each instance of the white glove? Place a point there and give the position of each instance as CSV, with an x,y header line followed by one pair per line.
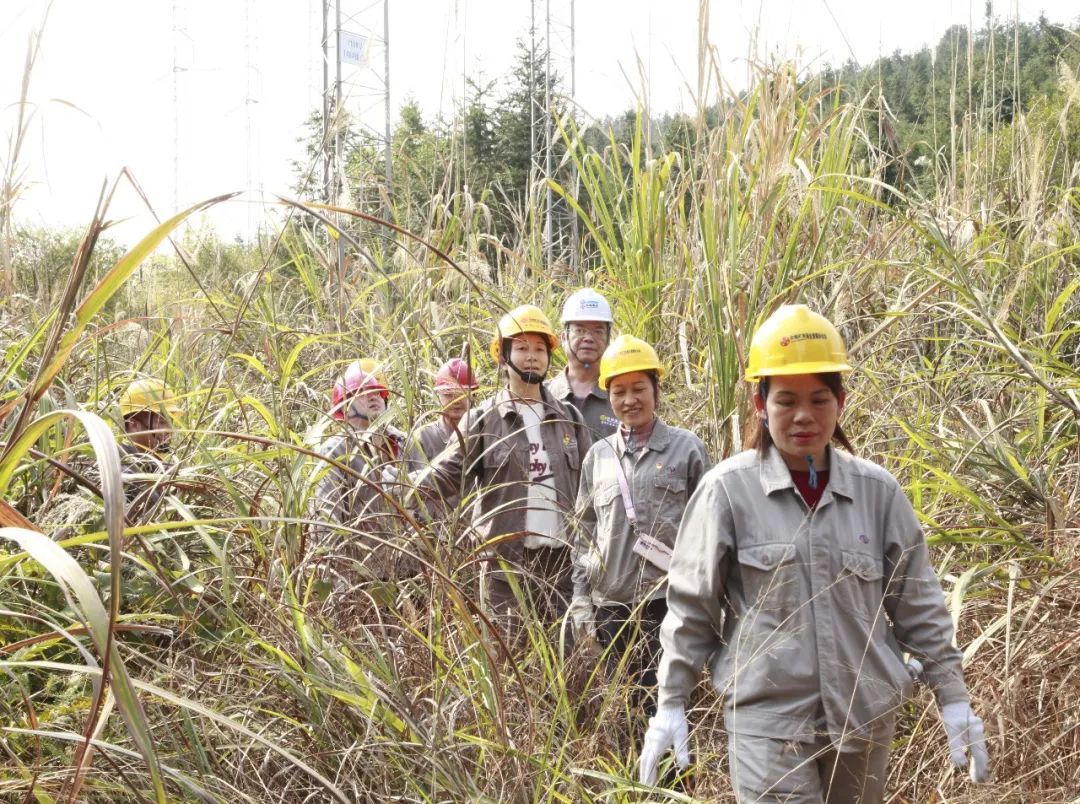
x,y
967,743
667,729
582,617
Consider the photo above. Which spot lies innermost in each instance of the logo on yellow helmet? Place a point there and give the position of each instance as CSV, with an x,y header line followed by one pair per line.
x,y
803,336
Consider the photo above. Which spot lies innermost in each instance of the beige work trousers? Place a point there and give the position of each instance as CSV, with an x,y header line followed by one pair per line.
x,y
769,770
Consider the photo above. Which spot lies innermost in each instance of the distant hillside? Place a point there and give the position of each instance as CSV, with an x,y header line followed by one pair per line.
x,y
970,86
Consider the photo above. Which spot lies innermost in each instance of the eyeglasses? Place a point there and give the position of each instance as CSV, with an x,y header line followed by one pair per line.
x,y
597,331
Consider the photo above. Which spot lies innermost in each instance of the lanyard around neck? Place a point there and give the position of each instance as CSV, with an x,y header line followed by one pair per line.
x,y
624,489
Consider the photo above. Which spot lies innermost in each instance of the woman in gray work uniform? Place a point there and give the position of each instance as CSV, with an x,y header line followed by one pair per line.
x,y
634,488
802,575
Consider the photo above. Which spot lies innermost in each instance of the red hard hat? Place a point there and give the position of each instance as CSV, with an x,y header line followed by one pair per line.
x,y
358,377
455,373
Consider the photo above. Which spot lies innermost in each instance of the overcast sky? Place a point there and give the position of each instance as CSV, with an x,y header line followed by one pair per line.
x,y
248,73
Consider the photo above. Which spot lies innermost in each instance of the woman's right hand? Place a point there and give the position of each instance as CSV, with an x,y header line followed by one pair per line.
x,y
668,728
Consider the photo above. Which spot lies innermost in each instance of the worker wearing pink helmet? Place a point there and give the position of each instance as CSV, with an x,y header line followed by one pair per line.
x,y
360,394
454,384
349,501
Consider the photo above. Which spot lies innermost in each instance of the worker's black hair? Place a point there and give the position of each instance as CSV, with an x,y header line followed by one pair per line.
x,y
762,439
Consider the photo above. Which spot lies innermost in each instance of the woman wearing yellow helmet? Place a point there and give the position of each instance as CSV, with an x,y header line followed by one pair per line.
x,y
148,409
802,574
634,487
522,451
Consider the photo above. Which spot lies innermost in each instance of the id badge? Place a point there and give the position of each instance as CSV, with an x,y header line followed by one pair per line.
x,y
653,550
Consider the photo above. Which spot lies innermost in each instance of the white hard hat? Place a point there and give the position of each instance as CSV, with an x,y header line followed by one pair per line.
x,y
586,305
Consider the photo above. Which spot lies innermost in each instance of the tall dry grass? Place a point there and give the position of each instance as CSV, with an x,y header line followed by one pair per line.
x,y
239,672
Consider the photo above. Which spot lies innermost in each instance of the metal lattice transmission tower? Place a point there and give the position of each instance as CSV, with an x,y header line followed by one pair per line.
x,y
356,96
553,39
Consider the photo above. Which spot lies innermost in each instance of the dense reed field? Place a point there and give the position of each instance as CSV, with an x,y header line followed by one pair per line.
x,y
237,672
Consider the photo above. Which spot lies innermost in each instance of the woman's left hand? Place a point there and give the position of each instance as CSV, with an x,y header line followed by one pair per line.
x,y
582,618
967,741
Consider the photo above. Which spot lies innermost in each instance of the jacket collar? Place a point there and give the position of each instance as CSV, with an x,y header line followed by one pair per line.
x,y
659,438
506,407
443,428
560,387
775,475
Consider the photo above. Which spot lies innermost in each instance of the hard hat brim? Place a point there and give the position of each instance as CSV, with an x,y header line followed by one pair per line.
x,y
818,367
597,318
496,342
605,380
160,408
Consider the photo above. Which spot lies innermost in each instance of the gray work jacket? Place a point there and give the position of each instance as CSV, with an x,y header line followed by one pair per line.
x,y
342,498
432,438
803,615
596,409
143,472
661,477
494,454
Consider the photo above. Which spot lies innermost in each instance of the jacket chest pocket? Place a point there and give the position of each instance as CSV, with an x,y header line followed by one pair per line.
x,y
770,580
569,446
498,464
604,500
606,495
859,588
669,500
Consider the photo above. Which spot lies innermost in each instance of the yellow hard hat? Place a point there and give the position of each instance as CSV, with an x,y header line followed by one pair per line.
x,y
526,318
627,354
151,395
374,368
795,340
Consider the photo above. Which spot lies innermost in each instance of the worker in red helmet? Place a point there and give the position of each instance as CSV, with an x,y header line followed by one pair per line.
x,y
454,384
350,501
360,394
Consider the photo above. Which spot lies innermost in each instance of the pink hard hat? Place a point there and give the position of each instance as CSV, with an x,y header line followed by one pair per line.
x,y
455,373
361,375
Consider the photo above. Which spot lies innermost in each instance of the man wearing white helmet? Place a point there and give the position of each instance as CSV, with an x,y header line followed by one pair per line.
x,y
586,331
